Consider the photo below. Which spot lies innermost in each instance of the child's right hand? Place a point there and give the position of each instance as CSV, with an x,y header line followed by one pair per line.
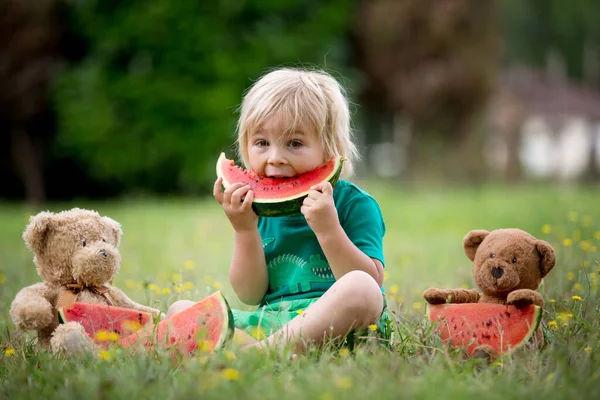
x,y
239,211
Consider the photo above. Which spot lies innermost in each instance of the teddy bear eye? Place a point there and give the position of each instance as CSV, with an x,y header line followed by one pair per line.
x,y
514,260
84,243
103,240
492,255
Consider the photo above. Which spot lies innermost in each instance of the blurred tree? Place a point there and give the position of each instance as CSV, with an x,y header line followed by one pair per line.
x,y
29,37
432,62
153,102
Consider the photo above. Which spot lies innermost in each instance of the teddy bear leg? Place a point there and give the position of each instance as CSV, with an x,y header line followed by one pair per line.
x,y
70,339
485,352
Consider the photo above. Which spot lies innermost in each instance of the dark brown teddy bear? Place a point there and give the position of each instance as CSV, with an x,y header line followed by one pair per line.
x,y
508,266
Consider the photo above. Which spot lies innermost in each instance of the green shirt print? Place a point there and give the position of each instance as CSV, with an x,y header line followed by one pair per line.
x,y
296,264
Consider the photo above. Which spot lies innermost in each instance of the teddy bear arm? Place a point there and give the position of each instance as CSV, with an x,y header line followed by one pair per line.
x,y
441,296
523,297
32,308
122,300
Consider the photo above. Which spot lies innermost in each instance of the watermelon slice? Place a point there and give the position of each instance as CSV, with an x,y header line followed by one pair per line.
x,y
278,196
205,325
470,325
101,322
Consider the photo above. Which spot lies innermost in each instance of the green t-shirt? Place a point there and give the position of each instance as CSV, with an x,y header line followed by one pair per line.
x,y
296,264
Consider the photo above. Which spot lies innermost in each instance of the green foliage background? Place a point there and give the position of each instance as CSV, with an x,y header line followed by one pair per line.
x,y
154,101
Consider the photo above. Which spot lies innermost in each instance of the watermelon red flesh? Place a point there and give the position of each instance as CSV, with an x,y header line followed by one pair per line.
x,y
96,318
208,324
275,189
469,325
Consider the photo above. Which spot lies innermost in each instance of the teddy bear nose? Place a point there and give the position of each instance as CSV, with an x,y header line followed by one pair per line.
x,y
103,252
497,272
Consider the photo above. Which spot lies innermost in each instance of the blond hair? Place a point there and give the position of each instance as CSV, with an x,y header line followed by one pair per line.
x,y
300,97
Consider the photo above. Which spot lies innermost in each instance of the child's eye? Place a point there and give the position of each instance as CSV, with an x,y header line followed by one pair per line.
x,y
261,143
295,143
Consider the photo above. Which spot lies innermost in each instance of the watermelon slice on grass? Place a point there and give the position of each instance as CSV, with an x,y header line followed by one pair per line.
x,y
101,321
205,326
469,325
278,196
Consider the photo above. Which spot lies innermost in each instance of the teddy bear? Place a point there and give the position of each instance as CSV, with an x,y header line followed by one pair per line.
x,y
508,266
76,255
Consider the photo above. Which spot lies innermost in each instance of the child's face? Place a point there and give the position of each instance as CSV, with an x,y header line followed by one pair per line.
x,y
268,155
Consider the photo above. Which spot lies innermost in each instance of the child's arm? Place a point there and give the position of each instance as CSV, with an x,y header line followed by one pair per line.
x,y
248,270
341,253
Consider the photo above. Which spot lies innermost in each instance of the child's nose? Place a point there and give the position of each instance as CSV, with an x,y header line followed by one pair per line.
x,y
276,157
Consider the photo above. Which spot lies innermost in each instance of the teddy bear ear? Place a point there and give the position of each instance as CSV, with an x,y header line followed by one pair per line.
x,y
471,242
547,256
36,232
115,229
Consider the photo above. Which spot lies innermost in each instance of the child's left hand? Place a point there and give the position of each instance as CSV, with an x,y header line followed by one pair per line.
x,y
319,209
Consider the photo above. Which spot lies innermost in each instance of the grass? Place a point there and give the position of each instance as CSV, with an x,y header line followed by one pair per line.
x,y
176,248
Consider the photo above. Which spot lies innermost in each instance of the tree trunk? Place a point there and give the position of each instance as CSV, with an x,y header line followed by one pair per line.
x,y
27,159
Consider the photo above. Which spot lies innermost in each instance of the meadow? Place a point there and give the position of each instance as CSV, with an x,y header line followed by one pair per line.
x,y
180,248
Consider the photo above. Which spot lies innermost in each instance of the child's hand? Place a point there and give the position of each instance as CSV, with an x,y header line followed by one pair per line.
x,y
239,211
319,209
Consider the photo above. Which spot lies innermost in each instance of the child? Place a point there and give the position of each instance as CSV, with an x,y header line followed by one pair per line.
x,y
318,274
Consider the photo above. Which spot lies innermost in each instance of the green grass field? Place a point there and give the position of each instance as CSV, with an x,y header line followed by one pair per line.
x,y
173,249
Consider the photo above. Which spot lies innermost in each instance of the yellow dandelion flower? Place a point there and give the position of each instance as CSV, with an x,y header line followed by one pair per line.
x,y
573,216
9,352
344,352
189,265
2,279
372,327
166,291
553,325
105,355
464,285
202,360
204,345
597,235
586,220
258,333
417,305
567,242
576,298
550,377
577,287
394,289
498,363
546,229
230,355
571,276
231,374
587,349
300,312
217,285
552,301
345,382
177,289
188,285
176,277
153,286
585,245
132,326
326,396
113,336
592,275
208,279
101,336
564,316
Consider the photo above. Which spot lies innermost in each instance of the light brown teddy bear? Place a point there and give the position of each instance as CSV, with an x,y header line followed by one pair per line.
x,y
508,266
76,256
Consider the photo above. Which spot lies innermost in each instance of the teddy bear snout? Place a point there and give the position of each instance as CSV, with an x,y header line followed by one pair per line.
x,y
497,272
96,263
103,252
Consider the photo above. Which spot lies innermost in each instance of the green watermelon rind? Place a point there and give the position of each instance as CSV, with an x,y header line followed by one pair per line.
x,y
537,318
282,206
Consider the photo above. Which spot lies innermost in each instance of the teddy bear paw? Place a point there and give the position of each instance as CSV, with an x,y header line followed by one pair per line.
x,y
70,338
32,316
519,299
434,296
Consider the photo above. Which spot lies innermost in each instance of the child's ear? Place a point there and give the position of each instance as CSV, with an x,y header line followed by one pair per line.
x,y
36,232
115,229
472,241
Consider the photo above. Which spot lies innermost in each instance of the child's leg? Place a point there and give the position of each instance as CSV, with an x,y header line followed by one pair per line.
x,y
240,337
353,302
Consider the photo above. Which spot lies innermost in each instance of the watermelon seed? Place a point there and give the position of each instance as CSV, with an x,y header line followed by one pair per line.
x,y
489,323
